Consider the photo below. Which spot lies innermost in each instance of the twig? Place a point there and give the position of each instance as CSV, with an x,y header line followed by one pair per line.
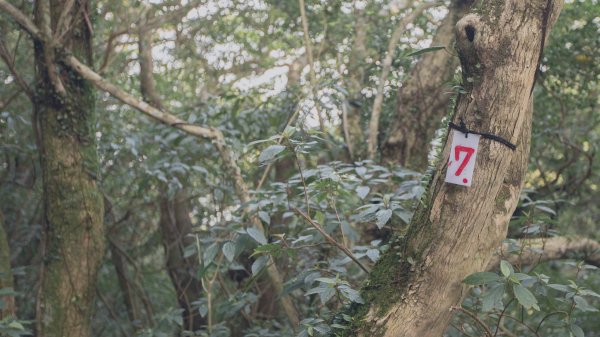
x,y
332,240
487,330
309,55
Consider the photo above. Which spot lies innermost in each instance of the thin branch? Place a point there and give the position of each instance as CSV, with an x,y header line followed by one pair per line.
x,y
21,19
309,55
485,328
331,240
385,70
44,17
11,67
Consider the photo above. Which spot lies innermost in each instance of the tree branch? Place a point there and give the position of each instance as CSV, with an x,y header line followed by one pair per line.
x,y
549,249
331,240
385,70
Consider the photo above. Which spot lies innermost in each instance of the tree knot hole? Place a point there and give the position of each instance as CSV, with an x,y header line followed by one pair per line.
x,y
470,31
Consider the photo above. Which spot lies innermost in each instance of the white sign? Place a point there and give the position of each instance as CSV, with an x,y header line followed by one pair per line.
x,y
462,158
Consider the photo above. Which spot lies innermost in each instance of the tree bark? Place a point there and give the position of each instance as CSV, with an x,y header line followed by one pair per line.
x,y
176,227
424,98
551,249
6,277
456,229
73,204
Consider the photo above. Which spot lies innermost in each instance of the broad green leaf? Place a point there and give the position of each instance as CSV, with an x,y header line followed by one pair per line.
x,y
209,254
229,250
351,294
383,216
257,235
361,170
326,295
373,254
362,191
270,152
525,297
258,264
577,331
482,278
583,305
264,216
425,50
506,268
492,299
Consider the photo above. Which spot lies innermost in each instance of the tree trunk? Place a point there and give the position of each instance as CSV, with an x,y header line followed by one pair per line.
x,y
8,308
73,204
423,98
176,227
175,222
456,229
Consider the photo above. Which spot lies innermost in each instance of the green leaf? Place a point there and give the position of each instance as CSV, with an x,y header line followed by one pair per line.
x,y
577,331
373,254
229,250
362,191
16,325
426,50
560,287
270,248
326,295
257,235
351,294
270,152
583,305
326,280
383,216
525,297
492,299
210,253
264,216
482,278
506,268
258,264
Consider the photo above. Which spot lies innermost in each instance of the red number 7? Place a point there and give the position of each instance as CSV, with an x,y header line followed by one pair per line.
x,y
457,151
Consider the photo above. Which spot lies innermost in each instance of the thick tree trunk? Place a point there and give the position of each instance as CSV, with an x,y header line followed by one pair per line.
x,y
424,97
456,229
73,205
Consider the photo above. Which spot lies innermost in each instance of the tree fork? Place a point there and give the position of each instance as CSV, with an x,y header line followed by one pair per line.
x,y
455,230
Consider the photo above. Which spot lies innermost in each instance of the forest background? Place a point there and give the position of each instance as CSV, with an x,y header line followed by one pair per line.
x,y
289,145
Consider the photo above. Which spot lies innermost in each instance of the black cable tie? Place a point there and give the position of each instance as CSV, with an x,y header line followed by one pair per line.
x,y
462,127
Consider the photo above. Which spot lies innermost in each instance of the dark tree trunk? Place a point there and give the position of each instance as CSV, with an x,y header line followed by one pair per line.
x,y
176,227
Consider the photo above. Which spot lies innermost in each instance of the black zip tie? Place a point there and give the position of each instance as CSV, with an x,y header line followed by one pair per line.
x,y
463,128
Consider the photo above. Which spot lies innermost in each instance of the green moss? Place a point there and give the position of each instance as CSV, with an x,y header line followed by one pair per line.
x,y
503,195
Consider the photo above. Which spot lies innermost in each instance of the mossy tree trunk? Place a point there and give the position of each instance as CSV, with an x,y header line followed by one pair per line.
x,y
424,97
456,229
73,205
